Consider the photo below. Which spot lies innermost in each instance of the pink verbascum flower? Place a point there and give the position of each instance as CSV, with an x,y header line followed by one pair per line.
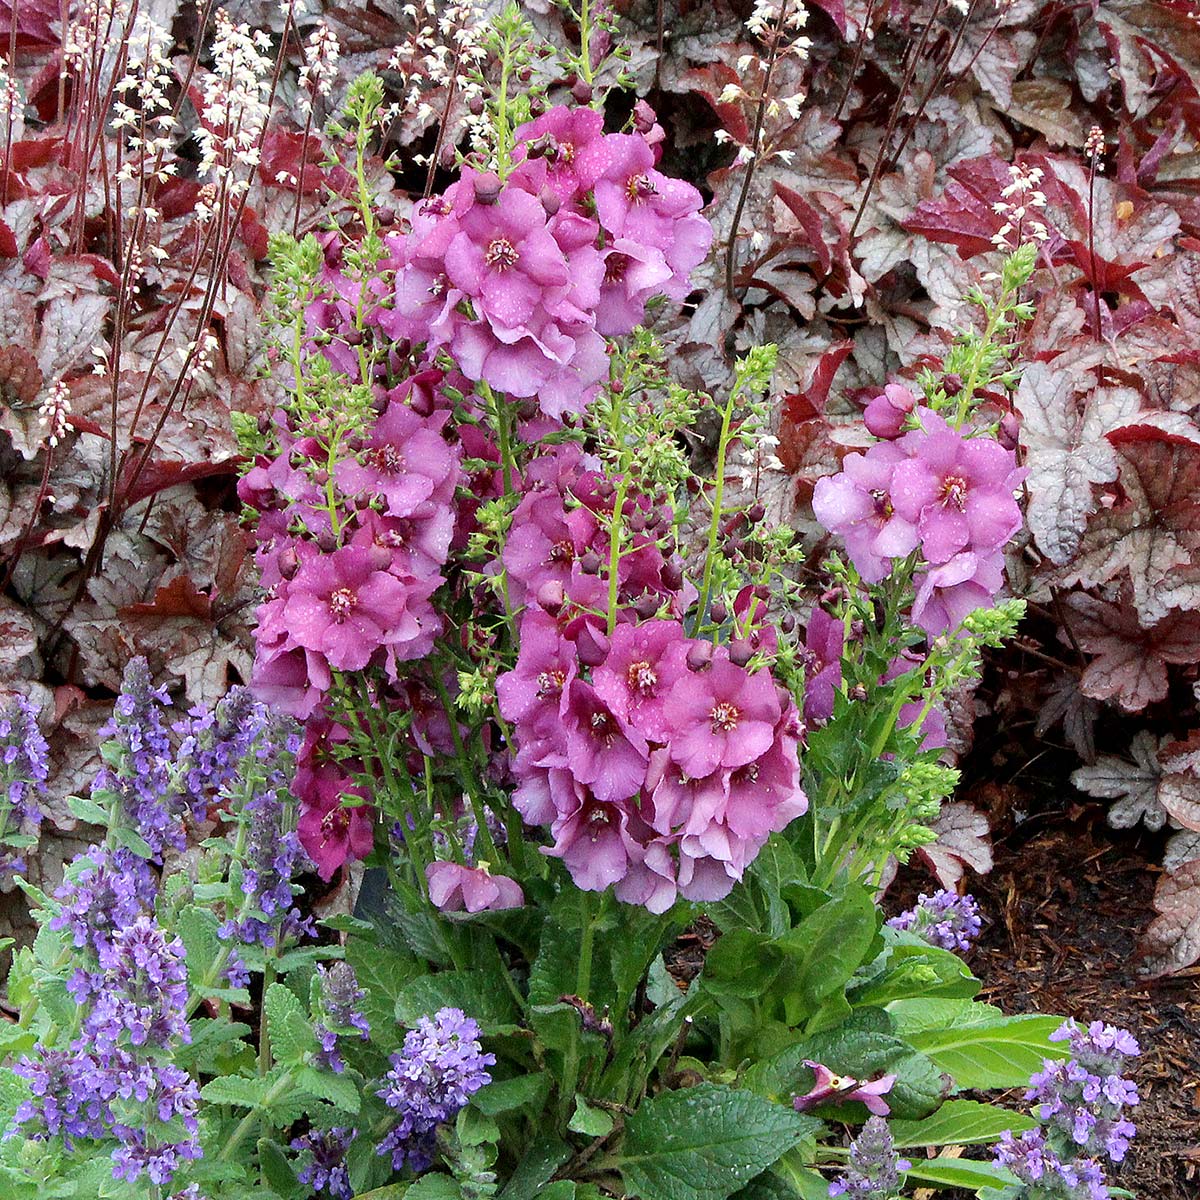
x,y
344,606
722,717
856,503
829,1088
957,491
455,888
823,643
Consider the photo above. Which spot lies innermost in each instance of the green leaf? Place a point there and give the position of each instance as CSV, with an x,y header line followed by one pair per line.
x,y
134,842
912,970
491,1006
1001,1055
87,810
825,949
543,1157
239,1090
508,1094
960,1123
343,1091
592,1122
433,1187
197,929
704,1142
472,1128
383,972
741,964
292,1038
278,1170
913,1016
959,1173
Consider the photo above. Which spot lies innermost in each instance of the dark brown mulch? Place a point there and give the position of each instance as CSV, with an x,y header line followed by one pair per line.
x,y
1066,902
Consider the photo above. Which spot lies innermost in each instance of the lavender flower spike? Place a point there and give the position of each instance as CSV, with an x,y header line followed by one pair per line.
x,y
945,919
874,1170
440,1066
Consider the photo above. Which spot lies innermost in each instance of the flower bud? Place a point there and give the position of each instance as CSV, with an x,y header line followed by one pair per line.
x,y
643,117
582,92
886,414
420,400
487,188
1009,432
699,655
551,597
589,564
718,612
740,652
288,562
788,623
551,202
858,692
326,542
379,557
646,605
952,384
671,575
755,513
591,645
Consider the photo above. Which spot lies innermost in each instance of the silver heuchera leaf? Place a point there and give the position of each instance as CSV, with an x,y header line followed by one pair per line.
x,y
1181,849
1066,450
963,841
1133,785
1172,941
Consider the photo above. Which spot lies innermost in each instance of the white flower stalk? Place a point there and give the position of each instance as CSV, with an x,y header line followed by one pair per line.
x,y
321,54
234,108
778,26
142,108
1019,196
444,50
53,413
12,107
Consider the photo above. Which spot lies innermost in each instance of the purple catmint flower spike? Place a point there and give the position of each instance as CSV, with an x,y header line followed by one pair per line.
x,y
1045,1175
341,1001
875,1167
1085,1097
944,919
137,771
440,1066
323,1161
24,770
106,889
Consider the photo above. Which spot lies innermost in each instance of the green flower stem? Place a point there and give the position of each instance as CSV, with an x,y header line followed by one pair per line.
x,y
583,983
714,527
466,772
251,1120
614,551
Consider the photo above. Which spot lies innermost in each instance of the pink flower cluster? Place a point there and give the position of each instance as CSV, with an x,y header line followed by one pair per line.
x,y
344,598
932,489
518,280
351,553
660,765
523,279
